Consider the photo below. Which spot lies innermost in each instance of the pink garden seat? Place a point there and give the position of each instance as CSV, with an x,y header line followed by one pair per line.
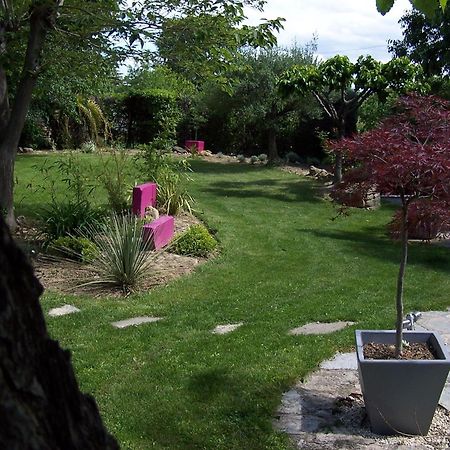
x,y
144,195
159,231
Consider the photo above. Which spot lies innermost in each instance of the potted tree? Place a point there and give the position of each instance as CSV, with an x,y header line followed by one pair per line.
x,y
407,155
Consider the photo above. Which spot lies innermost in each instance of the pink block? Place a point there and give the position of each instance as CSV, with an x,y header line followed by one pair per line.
x,y
144,195
159,231
198,145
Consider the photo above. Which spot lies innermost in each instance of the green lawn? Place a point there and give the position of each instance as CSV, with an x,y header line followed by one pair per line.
x,y
284,263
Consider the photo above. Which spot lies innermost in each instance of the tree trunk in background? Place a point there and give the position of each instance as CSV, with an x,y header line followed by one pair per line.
x,y
272,147
41,407
41,19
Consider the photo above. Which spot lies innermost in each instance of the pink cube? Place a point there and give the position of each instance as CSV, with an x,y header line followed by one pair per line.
x,y
198,145
144,195
159,231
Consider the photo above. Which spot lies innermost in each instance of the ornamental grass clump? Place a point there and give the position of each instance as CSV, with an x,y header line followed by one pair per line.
x,y
124,257
407,155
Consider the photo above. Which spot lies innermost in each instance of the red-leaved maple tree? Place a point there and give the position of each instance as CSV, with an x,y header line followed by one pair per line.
x,y
407,155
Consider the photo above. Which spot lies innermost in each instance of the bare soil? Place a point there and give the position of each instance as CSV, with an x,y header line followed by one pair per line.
x,y
416,350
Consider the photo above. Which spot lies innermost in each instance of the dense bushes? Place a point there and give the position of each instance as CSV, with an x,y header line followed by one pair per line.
x,y
195,241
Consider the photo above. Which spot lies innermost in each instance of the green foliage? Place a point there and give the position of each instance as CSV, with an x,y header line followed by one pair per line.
x,y
292,157
171,176
88,147
115,175
425,41
373,111
428,7
195,241
240,158
124,258
78,248
94,119
254,159
262,158
69,210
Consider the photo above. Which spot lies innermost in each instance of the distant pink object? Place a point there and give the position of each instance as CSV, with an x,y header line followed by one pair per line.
x,y
198,145
159,231
144,195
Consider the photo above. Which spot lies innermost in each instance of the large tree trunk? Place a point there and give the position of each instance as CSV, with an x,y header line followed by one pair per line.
x,y
41,20
41,407
340,131
272,147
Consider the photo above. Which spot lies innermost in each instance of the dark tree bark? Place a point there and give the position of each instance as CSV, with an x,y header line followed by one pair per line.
x,y
42,17
41,407
272,147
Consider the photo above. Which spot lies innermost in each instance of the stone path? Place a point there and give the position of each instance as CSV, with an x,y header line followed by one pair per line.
x,y
135,321
320,328
63,311
227,328
326,411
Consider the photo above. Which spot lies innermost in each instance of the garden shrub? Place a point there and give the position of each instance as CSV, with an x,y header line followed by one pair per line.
x,y
114,176
78,248
254,159
425,221
262,158
195,241
124,257
88,147
240,158
292,157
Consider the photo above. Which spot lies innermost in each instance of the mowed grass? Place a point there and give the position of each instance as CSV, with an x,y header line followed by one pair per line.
x,y
284,262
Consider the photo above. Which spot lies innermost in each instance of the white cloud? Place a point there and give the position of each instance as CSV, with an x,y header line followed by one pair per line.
x,y
349,27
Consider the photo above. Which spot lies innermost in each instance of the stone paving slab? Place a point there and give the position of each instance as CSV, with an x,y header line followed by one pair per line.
x,y
63,311
346,361
134,321
320,328
227,328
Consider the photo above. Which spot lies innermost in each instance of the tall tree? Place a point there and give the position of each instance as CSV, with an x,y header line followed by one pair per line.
x,y
425,41
428,7
35,20
341,87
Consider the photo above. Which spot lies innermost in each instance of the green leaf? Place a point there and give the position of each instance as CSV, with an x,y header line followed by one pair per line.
x,y
428,7
384,6
443,4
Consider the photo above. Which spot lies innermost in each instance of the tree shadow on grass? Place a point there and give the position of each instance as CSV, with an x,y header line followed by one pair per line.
x,y
292,191
369,242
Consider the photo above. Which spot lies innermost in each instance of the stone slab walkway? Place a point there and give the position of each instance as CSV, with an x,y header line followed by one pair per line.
x,y
134,321
63,311
326,411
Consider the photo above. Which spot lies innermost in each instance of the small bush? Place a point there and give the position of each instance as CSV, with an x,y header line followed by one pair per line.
x,y
311,161
66,217
262,158
77,248
292,157
88,147
195,241
425,221
240,158
254,159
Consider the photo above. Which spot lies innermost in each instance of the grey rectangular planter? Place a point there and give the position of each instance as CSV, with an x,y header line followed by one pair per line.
x,y
401,396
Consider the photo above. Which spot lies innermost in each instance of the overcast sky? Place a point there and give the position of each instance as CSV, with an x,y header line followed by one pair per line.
x,y
346,27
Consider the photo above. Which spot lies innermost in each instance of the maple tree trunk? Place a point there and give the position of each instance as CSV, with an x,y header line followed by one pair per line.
x,y
41,407
400,282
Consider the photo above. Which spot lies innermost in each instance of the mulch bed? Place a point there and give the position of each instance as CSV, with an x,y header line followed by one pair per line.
x,y
416,350
62,275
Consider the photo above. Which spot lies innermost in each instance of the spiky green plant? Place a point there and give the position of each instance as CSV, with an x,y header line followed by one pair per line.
x,y
124,257
95,119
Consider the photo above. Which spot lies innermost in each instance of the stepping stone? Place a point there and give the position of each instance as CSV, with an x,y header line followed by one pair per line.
x,y
341,361
63,311
135,321
320,328
228,328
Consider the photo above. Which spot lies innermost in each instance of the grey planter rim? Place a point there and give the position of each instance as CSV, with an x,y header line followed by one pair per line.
x,y
443,360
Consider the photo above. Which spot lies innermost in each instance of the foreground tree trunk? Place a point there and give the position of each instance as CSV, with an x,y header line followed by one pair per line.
x,y
41,407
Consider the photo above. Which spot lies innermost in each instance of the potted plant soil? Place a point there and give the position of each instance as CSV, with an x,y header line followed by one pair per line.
x,y
402,373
